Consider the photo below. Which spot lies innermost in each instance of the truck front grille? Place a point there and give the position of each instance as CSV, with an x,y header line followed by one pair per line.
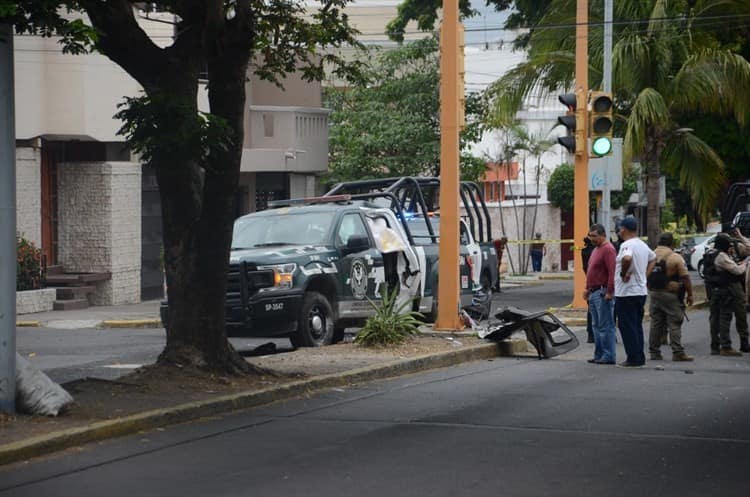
x,y
255,279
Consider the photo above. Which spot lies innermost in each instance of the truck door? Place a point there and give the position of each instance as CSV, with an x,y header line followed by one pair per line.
x,y
475,253
359,267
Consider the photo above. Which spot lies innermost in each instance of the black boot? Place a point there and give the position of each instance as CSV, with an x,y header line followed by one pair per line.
x,y
744,345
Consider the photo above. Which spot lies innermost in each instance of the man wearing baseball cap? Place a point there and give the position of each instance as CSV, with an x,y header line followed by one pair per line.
x,y
634,261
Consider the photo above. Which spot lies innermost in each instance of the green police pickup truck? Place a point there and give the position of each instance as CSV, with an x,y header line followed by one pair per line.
x,y
306,269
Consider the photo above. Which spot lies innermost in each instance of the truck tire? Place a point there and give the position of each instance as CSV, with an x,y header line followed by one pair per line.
x,y
316,322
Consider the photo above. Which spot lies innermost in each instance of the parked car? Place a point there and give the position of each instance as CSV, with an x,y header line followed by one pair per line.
x,y
696,258
687,249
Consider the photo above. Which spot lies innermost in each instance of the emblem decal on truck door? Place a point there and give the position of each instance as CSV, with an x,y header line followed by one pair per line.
x,y
358,279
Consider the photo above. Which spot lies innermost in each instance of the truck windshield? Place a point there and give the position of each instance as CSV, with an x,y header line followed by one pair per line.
x,y
308,228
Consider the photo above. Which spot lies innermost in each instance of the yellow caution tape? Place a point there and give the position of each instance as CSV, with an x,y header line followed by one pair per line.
x,y
522,242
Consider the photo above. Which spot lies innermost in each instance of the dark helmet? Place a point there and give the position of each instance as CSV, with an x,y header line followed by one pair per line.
x,y
722,242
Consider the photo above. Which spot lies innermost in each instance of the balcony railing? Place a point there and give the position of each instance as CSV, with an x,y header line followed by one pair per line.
x,y
291,139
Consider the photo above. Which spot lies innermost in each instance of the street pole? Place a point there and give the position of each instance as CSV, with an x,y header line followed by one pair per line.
x,y
581,186
7,224
448,264
607,87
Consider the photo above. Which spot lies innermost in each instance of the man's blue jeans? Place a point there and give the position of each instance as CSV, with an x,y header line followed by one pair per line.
x,y
629,312
536,259
603,325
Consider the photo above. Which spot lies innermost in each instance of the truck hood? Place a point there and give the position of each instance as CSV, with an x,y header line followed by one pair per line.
x,y
280,254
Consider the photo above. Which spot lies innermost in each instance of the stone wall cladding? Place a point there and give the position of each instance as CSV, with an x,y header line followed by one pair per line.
x,y
35,300
29,194
99,210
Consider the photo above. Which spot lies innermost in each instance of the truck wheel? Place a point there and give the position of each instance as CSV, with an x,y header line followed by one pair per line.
x,y
316,321
700,268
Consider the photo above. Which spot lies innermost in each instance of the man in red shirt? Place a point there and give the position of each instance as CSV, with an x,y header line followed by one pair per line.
x,y
600,291
499,249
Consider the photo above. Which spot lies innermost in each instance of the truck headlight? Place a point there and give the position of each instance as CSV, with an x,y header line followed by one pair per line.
x,y
282,274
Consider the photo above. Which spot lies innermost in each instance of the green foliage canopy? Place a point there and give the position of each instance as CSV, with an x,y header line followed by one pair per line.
x,y
390,125
560,187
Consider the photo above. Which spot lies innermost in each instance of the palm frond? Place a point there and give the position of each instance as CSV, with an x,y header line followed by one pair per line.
x,y
698,168
658,20
509,92
631,61
649,113
713,81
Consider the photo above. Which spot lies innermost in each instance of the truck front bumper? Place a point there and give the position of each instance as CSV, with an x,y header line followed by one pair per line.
x,y
266,314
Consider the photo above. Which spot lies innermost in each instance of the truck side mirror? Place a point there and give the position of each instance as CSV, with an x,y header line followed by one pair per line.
x,y
357,243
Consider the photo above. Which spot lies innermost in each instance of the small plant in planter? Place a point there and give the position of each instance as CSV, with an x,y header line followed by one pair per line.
x,y
390,325
29,267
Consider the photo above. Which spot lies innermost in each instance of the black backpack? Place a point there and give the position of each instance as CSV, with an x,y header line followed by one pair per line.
x,y
711,274
657,280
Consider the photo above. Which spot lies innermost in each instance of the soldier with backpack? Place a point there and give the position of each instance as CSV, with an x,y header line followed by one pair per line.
x,y
721,272
666,281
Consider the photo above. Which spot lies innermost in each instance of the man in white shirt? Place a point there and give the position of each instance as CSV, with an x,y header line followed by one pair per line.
x,y
634,261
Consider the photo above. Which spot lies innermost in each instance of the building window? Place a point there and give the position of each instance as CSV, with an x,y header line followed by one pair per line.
x,y
268,125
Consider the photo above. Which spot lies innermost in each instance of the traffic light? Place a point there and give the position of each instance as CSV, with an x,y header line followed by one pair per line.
x,y
573,122
601,123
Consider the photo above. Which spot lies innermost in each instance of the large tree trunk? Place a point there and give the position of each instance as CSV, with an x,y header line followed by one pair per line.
x,y
196,201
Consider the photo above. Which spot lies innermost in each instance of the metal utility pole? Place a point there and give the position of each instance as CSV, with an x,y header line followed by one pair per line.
x,y
581,188
448,265
7,224
607,87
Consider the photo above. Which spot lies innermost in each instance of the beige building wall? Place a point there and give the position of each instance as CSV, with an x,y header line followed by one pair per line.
x,y
70,96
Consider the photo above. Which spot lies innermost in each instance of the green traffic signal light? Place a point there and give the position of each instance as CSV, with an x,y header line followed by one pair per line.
x,y
601,146
601,123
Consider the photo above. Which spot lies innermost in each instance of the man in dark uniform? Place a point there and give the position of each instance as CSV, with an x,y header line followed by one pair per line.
x,y
718,281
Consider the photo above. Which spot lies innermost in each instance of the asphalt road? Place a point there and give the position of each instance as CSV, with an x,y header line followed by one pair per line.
x,y
510,427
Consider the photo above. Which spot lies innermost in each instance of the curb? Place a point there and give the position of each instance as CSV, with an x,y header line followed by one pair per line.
x,y
555,276
130,323
28,324
521,282
45,444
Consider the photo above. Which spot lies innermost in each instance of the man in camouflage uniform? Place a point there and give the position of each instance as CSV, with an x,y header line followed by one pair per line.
x,y
665,305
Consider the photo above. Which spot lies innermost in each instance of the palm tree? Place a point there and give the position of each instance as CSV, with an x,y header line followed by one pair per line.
x,y
667,64
517,141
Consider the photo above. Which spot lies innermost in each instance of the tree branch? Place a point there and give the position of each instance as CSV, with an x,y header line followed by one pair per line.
x,y
124,41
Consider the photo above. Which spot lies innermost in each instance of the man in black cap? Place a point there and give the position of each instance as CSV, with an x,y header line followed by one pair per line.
x,y
666,281
725,273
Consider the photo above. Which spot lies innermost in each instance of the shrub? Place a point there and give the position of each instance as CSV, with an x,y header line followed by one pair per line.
x,y
29,268
390,325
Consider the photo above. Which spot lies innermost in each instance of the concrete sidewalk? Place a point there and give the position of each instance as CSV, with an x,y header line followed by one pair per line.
x,y
141,315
